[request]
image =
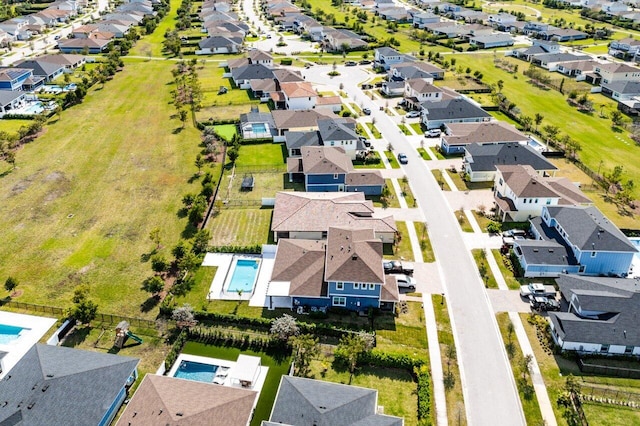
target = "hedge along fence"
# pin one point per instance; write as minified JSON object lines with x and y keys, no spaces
{"x":216,"y":122}
{"x":237,"y":339}
{"x":176,"y":348}
{"x":250,"y":249}
{"x":255,"y":141}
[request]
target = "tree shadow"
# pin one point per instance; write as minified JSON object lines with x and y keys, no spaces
{"x":77,"y":336}
{"x":182,"y":213}
{"x":189,"y":231}
{"x":195,"y":177}
{"x":177,"y":130}
{"x":149,"y":304}
{"x":145,"y":257}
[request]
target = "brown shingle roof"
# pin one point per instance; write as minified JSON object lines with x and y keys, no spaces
{"x":365,"y":177}
{"x":485,"y":132}
{"x":422,"y":85}
{"x":353,"y":255}
{"x":258,"y":55}
{"x":289,"y":119}
{"x":298,"y":89}
{"x":325,"y":160}
{"x":301,"y":263}
{"x":524,"y":181}
{"x":389,"y":291}
{"x":328,"y":100}
{"x":161,"y":400}
{"x":317,"y":211}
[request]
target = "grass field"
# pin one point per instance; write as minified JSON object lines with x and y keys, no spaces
{"x":11,"y":127}
{"x":512,"y":282}
{"x":393,"y":162}
{"x":226,"y":131}
{"x":488,"y":279}
{"x":443,"y":183}
{"x":403,"y":249}
{"x":240,"y":226}
{"x":80,"y":205}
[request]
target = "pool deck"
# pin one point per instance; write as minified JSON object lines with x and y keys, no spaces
{"x":257,"y":387}
{"x":35,"y":327}
{"x":223,"y":262}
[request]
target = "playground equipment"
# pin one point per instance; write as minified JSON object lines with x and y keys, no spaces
{"x":122,"y":333}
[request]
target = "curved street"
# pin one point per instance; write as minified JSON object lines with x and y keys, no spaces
{"x":488,"y":384}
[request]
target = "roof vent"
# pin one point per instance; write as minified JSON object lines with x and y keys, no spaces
{"x":50,"y":375}
{"x":45,"y":387}
{"x":179,"y":414}
{"x":354,"y":257}
{"x":30,"y":406}
{"x":550,"y":250}
{"x":535,"y":250}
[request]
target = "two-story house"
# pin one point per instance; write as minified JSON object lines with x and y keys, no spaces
{"x":574,"y":240}
{"x":257,"y":56}
{"x":419,"y":90}
{"x":407,"y":70}
{"x":626,"y":48}
{"x":480,"y":161}
{"x":298,"y":95}
{"x":520,"y":193}
{"x":421,"y":19}
{"x":615,"y":72}
{"x":340,"y":133}
{"x":345,"y":270}
{"x":385,"y":57}
{"x":602,"y":316}
{"x":452,"y":110}
{"x":501,"y":20}
{"x":457,"y":136}
{"x":19,"y":79}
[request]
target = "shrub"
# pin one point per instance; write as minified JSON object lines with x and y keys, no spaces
{"x":424,"y":391}
{"x":494,"y":227}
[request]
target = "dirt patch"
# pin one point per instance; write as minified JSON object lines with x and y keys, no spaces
{"x":55,"y":176}
{"x":17,"y":294}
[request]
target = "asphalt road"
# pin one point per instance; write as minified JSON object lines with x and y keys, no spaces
{"x":490,"y":392}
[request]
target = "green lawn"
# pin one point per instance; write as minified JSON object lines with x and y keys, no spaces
{"x":393,"y":162}
{"x":240,"y":226}
{"x":12,"y":126}
{"x":424,"y":154}
{"x":151,"y":44}
{"x":528,"y":399}
{"x":437,"y":153}
{"x":197,"y":297}
{"x":226,"y":131}
{"x":417,"y":127}
{"x":483,"y":220}
{"x":425,"y":243}
{"x":277,"y":369}
{"x":391,"y":201}
{"x":404,"y":334}
{"x":403,"y":128}
{"x":443,"y":183}
{"x":454,"y":395}
{"x":489,"y":279}
{"x":271,"y":155}
{"x":86,"y":194}
{"x":406,"y":192}
{"x":463,"y":221}
{"x":402,"y":250}
{"x":512,"y":282}
{"x":602,"y":414}
{"x":374,"y":130}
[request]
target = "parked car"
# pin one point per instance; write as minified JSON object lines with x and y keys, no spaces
{"x":532,"y":290}
{"x":366,"y":86}
{"x":515,"y":233}
{"x":405,"y":282}
{"x":402,"y":158}
{"x":364,"y":62}
{"x":350,"y":64}
{"x":397,"y":266}
{"x":366,"y":111}
{"x":544,"y":304}
{"x":433,"y":133}
{"x":413,"y":114}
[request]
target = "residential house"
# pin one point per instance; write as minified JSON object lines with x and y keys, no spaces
{"x":169,"y":400}
{"x":452,"y":110}
{"x":295,"y":141}
{"x":602,"y":316}
{"x":617,"y":72}
{"x":69,"y":62}
{"x":298,"y":121}
{"x":563,"y":34}
{"x":90,"y":45}
{"x":299,"y":95}
{"x":16,"y":79}
{"x":614,"y":8}
{"x":574,"y":240}
{"x":393,"y":14}
{"x":243,"y":75}
{"x":308,"y":215}
{"x":480,"y":161}
{"x":340,"y":132}
{"x":284,"y":75}
{"x":409,"y":70}
{"x":16,"y":28}
{"x":491,"y":40}
{"x":626,"y":48}
{"x":579,"y":70}
{"x":56,"y":385}
{"x":345,"y":271}
{"x":329,"y":103}
{"x":11,"y":100}
{"x":132,"y":17}
{"x":621,"y":90}
{"x":552,"y":61}
{"x":259,"y":57}
{"x":385,"y":57}
{"x":501,"y":20}
{"x":214,"y":45}
{"x":457,"y":136}
{"x":257,"y":125}
{"x":419,"y":90}
{"x":421,"y":19}
{"x":341,"y":40}
{"x":393,"y":88}
{"x":298,"y":401}
{"x":47,"y":70}
{"x":329,"y":169}
{"x":470,"y":16}
{"x":520,"y":193}
{"x":539,"y":47}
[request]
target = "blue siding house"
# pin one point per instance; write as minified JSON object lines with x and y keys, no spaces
{"x":344,"y":271}
{"x":574,"y":239}
{"x":329,"y":169}
{"x":14,"y":78}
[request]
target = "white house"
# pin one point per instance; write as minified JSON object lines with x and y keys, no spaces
{"x":299,"y":95}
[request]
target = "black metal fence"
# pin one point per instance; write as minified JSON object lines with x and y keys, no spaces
{"x":33,"y":307}
{"x":610,"y":396}
{"x":605,"y":370}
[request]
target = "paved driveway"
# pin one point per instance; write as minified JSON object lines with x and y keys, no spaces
{"x":507,"y":301}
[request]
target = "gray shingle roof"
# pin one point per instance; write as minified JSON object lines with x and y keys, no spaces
{"x":296,"y":140}
{"x":55,"y":385}
{"x":257,"y":117}
{"x":251,"y":72}
{"x":218,"y":41}
{"x":313,"y":402}
{"x":453,"y":109}
{"x":487,"y":157}
{"x":619,"y":301}
{"x":41,"y":68}
{"x":334,"y":130}
{"x":624,"y":87}
{"x":561,"y":57}
{"x":589,"y":229}
{"x":387,"y":51}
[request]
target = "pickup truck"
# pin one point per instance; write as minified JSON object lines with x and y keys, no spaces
{"x":537,"y":290}
{"x":396,"y":266}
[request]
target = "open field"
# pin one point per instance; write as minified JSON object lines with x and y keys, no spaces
{"x":240,"y":226}
{"x":80,"y":205}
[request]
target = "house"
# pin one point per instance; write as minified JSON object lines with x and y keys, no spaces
{"x":298,"y":401}
{"x":601,"y":318}
{"x":329,"y":103}
{"x":69,"y":62}
{"x":308,"y":215}
{"x":299,"y":95}
{"x":257,"y":125}
{"x":616,"y":72}
{"x":491,"y":40}
{"x":456,"y":110}
{"x":341,"y":40}
{"x":295,"y":141}
{"x":579,"y":70}
{"x":520,"y":193}
{"x":90,"y":45}
{"x":219,"y":44}
{"x":329,"y":169}
{"x":458,"y":136}
{"x":243,"y":75}
{"x":626,"y":48}
{"x":11,"y":99}
{"x":501,"y":20}
{"x":344,"y":271}
{"x":393,"y":88}
{"x":419,"y":90}
{"x":563,"y":34}
{"x":421,"y":19}
{"x":574,"y":240}
{"x":480,"y":161}
{"x":394,"y":14}
{"x":16,"y":78}
{"x":298,"y":121}
{"x":56,"y":385}
{"x":408,"y":70}
{"x":168,"y":400}
{"x":551,"y":61}
{"x":621,"y":90}
{"x":384,"y":57}
{"x":539,"y":47}
{"x":15,"y":27}
{"x":341,"y":133}
{"x":259,"y":57}
{"x":47,"y":70}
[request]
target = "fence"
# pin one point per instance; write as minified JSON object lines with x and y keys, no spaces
{"x":238,"y":204}
{"x":33,"y":307}
{"x":606,"y":370}
{"x":136,"y":322}
{"x":610,"y":396}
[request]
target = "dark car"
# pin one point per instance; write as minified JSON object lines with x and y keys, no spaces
{"x":543,"y":304}
{"x":402,"y":158}
{"x":350,"y":64}
{"x":366,"y":111}
{"x":364,"y":62}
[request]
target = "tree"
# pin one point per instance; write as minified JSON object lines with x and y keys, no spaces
{"x":305,"y":349}
{"x":154,"y":236}
{"x":199,"y":163}
{"x":85,"y":310}
{"x":538,"y":119}
{"x":500,"y":85}
{"x":183,"y":316}
{"x":525,"y":365}
{"x":10,"y":285}
{"x":284,"y":327}
{"x":153,"y":284}
{"x":552,"y":132}
{"x":159,"y":264}
{"x":182,"y":115}
{"x":201,"y":241}
{"x":526,"y":122}
{"x":616,"y":118}
{"x":233,"y":154}
{"x":351,"y":347}
{"x":189,"y":262}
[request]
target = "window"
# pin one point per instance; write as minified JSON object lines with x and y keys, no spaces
{"x":333,"y":143}
{"x":339,"y":286}
{"x":536,"y":201}
{"x":604,"y":348}
{"x":500,"y":181}
{"x":593,"y":254}
{"x":548,"y":202}
{"x":335,"y":176}
{"x":356,"y":286}
{"x":628,"y":350}
{"x":339,"y":301}
{"x":372,"y":286}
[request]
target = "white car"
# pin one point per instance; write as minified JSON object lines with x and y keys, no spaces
{"x":405,"y":282}
{"x":433,"y":133}
{"x":413,"y":114}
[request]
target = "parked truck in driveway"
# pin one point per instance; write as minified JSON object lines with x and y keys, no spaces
{"x":537,"y":290}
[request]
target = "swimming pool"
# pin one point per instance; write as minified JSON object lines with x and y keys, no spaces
{"x":9,"y":333}
{"x":35,"y":108}
{"x":259,"y":128}
{"x":196,"y":371}
{"x":245,"y":272}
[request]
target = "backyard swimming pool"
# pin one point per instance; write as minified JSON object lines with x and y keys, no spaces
{"x":259,"y":128}
{"x":196,"y":371}
{"x":9,"y":333}
{"x":243,"y":278}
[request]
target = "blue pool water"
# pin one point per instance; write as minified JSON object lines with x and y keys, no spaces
{"x":196,"y":371}
{"x":244,"y":276}
{"x":9,"y":333}
{"x":35,"y":108}
{"x":259,"y":128}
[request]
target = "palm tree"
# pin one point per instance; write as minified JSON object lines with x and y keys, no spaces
{"x":538,"y":119}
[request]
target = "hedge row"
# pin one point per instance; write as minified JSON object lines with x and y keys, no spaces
{"x":215,"y":122}
{"x":389,"y":360}
{"x":251,"y":249}
{"x":236,"y":340}
{"x":424,"y":391}
{"x":256,"y":141}
{"x":19,"y":117}
{"x":176,"y":348}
